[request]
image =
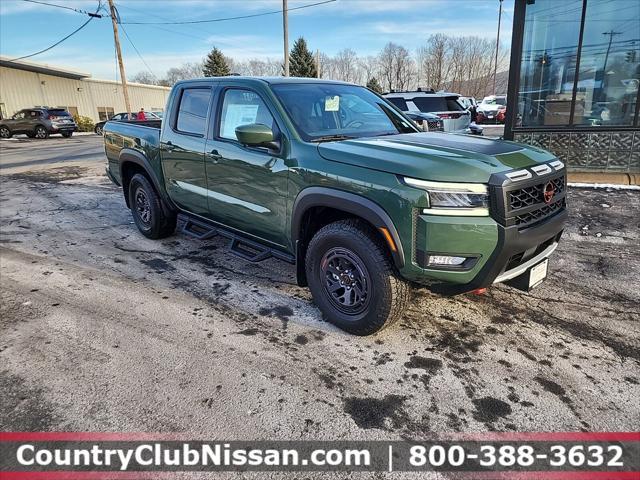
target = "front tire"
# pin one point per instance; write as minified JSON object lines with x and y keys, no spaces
{"x":147,"y":211}
{"x":352,"y":278}
{"x":41,"y":132}
{"x":67,"y":134}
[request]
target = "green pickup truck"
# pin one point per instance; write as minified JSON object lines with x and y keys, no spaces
{"x":336,"y":180}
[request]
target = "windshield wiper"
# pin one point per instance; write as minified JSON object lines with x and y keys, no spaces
{"x":330,"y":138}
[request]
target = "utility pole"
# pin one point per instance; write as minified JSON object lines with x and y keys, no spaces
{"x":285,"y":28}
{"x":611,"y":34}
{"x":123,"y":77}
{"x":495,"y":67}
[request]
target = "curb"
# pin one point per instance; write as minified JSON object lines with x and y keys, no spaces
{"x":605,"y":178}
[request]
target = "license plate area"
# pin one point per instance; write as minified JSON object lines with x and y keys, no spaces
{"x":532,"y":278}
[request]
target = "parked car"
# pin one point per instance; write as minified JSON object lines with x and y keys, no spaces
{"x":158,"y":113}
{"x":325,"y":176}
{"x":39,"y":122}
{"x":445,"y":105}
{"x":468,"y":102}
{"x":123,"y":117}
{"x":492,"y":109}
{"x":428,"y":122}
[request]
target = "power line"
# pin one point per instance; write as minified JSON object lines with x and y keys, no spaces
{"x":77,"y":10}
{"x":189,"y":22}
{"x":91,"y":17}
{"x":139,"y":54}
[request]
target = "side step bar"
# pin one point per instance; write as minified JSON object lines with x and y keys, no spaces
{"x":239,"y":245}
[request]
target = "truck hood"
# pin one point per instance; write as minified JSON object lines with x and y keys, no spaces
{"x":433,"y":156}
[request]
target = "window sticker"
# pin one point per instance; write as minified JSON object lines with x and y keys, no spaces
{"x":332,"y":104}
{"x":237,"y":115}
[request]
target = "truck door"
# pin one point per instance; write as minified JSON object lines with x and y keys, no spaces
{"x":182,"y":146}
{"x":247,"y":185}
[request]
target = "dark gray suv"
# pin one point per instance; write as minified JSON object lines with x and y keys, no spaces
{"x":39,"y":123}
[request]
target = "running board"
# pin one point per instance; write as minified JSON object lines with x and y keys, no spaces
{"x":241,"y":246}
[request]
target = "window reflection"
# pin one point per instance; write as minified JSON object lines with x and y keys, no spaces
{"x":550,"y":48}
{"x":609,"y":64}
{"x":609,"y":71}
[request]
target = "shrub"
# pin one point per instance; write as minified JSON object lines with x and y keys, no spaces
{"x":85,"y":124}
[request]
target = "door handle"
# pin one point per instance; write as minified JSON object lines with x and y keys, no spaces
{"x":214,"y":155}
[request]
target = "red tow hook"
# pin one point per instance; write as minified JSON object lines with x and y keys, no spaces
{"x":479,"y":291}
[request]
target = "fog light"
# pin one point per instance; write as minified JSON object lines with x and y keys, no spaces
{"x":444,"y":260}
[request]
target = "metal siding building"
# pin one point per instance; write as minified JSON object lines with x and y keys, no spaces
{"x":28,"y":84}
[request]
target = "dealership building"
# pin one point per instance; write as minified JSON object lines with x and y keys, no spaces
{"x":573,"y":82}
{"x":26,"y":84}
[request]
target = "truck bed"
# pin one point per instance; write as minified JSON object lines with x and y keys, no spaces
{"x":140,"y":136}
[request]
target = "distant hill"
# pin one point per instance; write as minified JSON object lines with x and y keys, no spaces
{"x":480,"y":87}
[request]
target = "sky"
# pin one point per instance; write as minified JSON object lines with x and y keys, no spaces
{"x":363,"y":25}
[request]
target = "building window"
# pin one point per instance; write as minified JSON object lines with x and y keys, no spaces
{"x":105,"y":113}
{"x":607,"y":63}
{"x":609,"y":71}
{"x":548,"y":65}
{"x":72,"y":110}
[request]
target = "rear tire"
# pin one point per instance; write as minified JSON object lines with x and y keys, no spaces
{"x":98,"y":130}
{"x":41,"y":132}
{"x":147,"y":211}
{"x":352,"y":278}
{"x":5,"y":132}
{"x":67,"y":134}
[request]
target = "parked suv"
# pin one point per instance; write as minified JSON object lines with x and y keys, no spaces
{"x":492,"y":109}
{"x":445,"y":105}
{"x":39,"y":123}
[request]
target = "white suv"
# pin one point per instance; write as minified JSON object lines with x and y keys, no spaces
{"x":455,"y":117}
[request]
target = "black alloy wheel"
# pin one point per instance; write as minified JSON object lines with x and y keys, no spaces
{"x":347,"y":280}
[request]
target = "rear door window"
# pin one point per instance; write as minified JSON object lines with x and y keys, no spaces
{"x":401,"y":103}
{"x":192,"y":112}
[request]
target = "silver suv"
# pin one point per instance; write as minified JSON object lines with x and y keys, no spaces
{"x":39,"y":122}
{"x":445,"y":105}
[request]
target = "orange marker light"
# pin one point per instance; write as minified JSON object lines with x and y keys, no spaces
{"x":389,"y":239}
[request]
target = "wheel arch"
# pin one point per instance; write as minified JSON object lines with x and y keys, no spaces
{"x":349,"y":204}
{"x":132,"y":162}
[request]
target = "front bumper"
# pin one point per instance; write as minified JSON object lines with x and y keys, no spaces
{"x":516,"y":250}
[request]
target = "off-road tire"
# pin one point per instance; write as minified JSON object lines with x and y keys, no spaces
{"x":149,"y":217}
{"x":388,"y":294}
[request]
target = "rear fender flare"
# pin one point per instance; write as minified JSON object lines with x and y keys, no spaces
{"x":132,"y":156}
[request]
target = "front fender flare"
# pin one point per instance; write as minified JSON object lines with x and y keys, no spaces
{"x":347,"y":202}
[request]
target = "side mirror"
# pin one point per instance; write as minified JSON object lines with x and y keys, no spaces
{"x":257,"y":135}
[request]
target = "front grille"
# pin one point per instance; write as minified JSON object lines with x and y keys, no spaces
{"x":434,"y":125}
{"x":525,"y":197}
{"x":539,"y":214}
{"x":522,"y":203}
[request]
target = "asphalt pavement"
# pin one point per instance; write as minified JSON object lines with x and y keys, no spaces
{"x":105,"y":330}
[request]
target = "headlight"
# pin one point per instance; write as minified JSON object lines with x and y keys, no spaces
{"x":468,"y":199}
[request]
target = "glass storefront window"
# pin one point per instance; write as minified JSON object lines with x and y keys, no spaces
{"x":548,"y":65}
{"x":610,"y":64}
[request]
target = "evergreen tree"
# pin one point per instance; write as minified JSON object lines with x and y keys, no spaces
{"x":373,"y":84}
{"x":215,"y":65}
{"x":301,"y":61}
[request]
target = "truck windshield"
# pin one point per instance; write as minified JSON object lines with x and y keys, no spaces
{"x":324,"y":111}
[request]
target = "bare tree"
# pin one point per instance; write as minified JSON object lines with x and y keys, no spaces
{"x":184,"y":72}
{"x":397,"y":68}
{"x":346,"y":66}
{"x":144,"y":77}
